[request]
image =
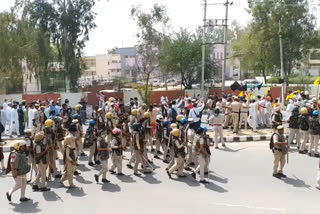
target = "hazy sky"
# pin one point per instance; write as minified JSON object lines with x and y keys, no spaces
{"x":115,"y":28}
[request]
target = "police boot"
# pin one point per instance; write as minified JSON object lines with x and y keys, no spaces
{"x":104,"y":180}
{"x":44,"y":189}
{"x":35,"y":188}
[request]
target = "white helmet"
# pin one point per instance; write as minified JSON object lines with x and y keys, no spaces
{"x":159,"y":117}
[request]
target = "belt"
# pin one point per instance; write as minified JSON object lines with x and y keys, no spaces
{"x":217,"y":124}
{"x":244,"y":112}
{"x":235,"y":112}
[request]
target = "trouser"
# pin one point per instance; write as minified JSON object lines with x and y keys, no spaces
{"x":83,"y":114}
{"x":7,"y":126}
{"x":203,"y":165}
{"x":314,"y":142}
{"x":14,"y":128}
{"x":305,"y":140}
{"x":192,"y":156}
{"x":178,"y":165}
{"x":125,"y":142}
{"x":104,"y":168}
{"x":108,"y":138}
{"x":243,"y":118}
{"x":26,"y":124}
{"x":218,"y":130}
{"x":267,"y":116}
{"x":116,"y":163}
{"x":32,"y":162}
{"x":148,"y":139}
{"x":292,"y":134}
{"x":21,"y":127}
{"x":165,"y":151}
{"x":138,"y":156}
{"x":21,"y":183}
{"x":61,"y":148}
{"x":68,"y":173}
{"x":235,"y":120}
{"x":41,"y":176}
{"x":92,"y":151}
{"x":164,"y":111}
{"x":52,"y":161}
{"x":171,"y":158}
{"x":158,"y":144}
{"x":79,"y":145}
{"x":279,"y":158}
{"x":262,"y":116}
{"x":227,"y":120}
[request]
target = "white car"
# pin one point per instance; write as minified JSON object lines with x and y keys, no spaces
{"x":170,"y":82}
{"x":156,"y":83}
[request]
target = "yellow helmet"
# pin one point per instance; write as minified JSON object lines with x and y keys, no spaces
{"x":111,"y":99}
{"x":109,"y":115}
{"x":173,"y":126}
{"x":179,"y":117}
{"x":144,"y":105}
{"x":18,"y":145}
{"x":67,"y":141}
{"x":49,"y":123}
{"x":75,"y":121}
{"x":134,"y":112}
{"x":78,"y":107}
{"x":146,"y":115}
{"x":38,"y":137}
{"x":304,"y":110}
{"x":28,"y":132}
{"x":175,"y":132}
{"x":100,"y":110}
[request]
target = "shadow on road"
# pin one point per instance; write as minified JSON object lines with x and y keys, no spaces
{"x":296,"y":182}
{"x":80,"y":179}
{"x":83,"y":168}
{"x":216,"y":188}
{"x":78,"y":192}
{"x":151,"y":180}
{"x":26,"y":207}
{"x":126,"y":179}
{"x":109,"y":187}
{"x":51,"y":196}
{"x":228,"y":149}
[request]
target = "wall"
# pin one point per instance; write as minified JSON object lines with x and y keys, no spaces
{"x":74,"y":98}
{"x":130,"y":94}
{"x":29,"y":98}
{"x":14,"y":97}
{"x":156,"y":95}
{"x":93,"y":99}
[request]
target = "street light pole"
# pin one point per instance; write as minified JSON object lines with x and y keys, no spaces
{"x":203,"y":46}
{"x":225,"y":48}
{"x":283,"y":86}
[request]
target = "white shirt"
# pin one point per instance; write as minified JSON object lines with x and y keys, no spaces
{"x":219,"y":120}
{"x":8,"y":113}
{"x":194,"y":112}
{"x":14,"y":115}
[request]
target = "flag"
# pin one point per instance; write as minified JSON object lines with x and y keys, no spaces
{"x":259,"y":86}
{"x":235,"y":86}
{"x":317,"y":81}
{"x":268,"y":90}
{"x":290,"y":96}
{"x":241,"y":94}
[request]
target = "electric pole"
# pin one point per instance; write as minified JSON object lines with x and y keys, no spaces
{"x":281,"y":62}
{"x":225,"y":48}
{"x":203,"y":46}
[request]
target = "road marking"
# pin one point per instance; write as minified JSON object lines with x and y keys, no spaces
{"x":251,"y":207}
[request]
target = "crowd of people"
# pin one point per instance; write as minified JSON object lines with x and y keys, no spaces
{"x":171,"y":132}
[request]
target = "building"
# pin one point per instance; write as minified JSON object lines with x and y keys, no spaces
{"x":128,"y":60}
{"x":311,"y":63}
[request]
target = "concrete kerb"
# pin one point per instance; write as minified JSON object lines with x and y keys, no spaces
{"x":7,"y":147}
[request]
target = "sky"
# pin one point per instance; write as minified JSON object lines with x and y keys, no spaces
{"x":115,"y":28}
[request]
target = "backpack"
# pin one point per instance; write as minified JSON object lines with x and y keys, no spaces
{"x":271,"y":143}
{"x":173,"y":114}
{"x":304,"y":124}
{"x":88,"y":137}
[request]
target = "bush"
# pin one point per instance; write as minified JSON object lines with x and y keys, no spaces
{"x":273,"y":80}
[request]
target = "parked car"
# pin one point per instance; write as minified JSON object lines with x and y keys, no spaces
{"x":170,"y":82}
{"x":156,"y":83}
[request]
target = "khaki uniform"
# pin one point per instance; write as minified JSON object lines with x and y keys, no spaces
{"x":244,"y":109}
{"x":217,"y":123}
{"x":279,"y":154}
{"x":116,"y":155}
{"x":228,"y":115}
{"x":42,"y":162}
{"x":202,"y":159}
{"x":235,"y":109}
{"x":69,"y":166}
{"x":178,"y":158}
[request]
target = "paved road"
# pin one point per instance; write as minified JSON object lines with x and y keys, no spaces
{"x":241,"y":183}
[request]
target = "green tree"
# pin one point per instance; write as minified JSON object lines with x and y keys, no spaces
{"x":182,"y":55}
{"x":150,"y":40}
{"x":64,"y":24}
{"x":298,"y":34}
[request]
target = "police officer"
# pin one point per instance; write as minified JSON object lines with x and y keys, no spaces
{"x":279,"y":150}
{"x":90,"y":141}
{"x":179,"y":154}
{"x":57,"y":129}
{"x":41,"y":151}
{"x":304,"y":128}
{"x":109,"y":127}
{"x":18,"y":165}
{"x":294,"y":131}
{"x":235,"y":109}
{"x":165,"y":139}
{"x":190,"y":133}
{"x":159,"y":136}
{"x":216,"y":120}
{"x":244,"y":110}
{"x":117,"y":152}
{"x":101,"y":124}
{"x":276,"y":118}
{"x":69,"y":160}
{"x":104,"y":149}
{"x":314,"y":134}
{"x":170,"y":146}
{"x":203,"y":154}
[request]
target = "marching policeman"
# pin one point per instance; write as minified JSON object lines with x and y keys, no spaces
{"x":103,"y":152}
{"x":304,"y":128}
{"x":69,"y":160}
{"x":117,"y":152}
{"x":294,"y":131}
{"x":279,"y":149}
{"x":90,"y":141}
{"x":314,"y":134}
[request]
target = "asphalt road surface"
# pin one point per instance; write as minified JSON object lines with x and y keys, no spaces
{"x":241,"y":183}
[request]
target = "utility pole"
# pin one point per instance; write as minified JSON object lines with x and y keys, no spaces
{"x":203,"y":46}
{"x":281,"y":61}
{"x":225,"y":48}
